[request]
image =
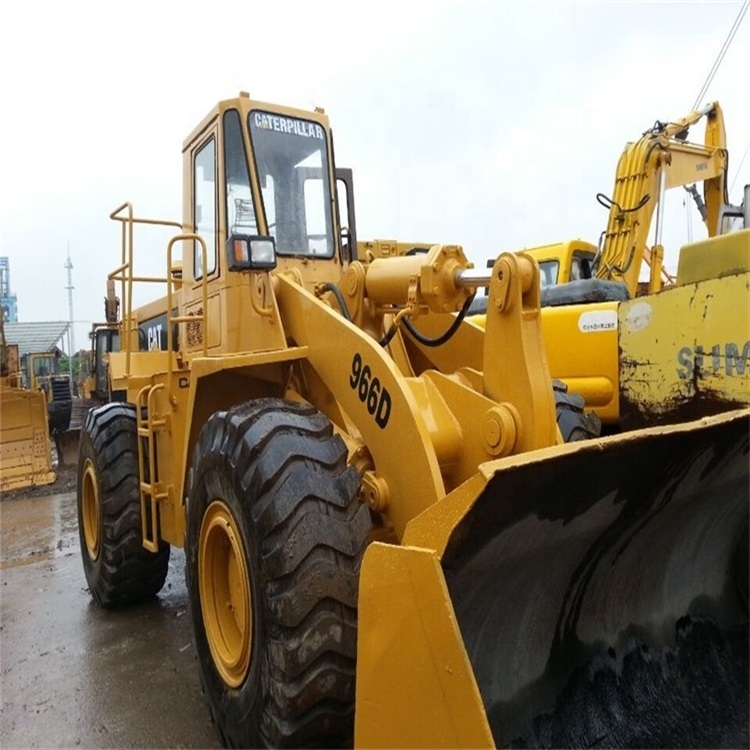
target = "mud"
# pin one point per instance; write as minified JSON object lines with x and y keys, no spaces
{"x":73,"y":674}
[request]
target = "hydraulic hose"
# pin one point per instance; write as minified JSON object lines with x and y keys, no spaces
{"x":444,"y":337}
{"x":328,"y":287}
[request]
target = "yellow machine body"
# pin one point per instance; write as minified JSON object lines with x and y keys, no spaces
{"x":585,"y":347}
{"x":561,"y":262}
{"x":587,"y":360}
{"x":25,"y":456}
{"x":484,"y":613}
{"x":41,"y":371}
{"x":676,"y":365}
{"x":496,"y":563}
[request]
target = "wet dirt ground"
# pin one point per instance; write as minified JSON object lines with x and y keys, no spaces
{"x":73,"y":674}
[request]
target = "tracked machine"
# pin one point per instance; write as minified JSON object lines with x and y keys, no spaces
{"x":387,"y":540}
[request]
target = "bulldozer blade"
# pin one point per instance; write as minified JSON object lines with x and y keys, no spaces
{"x":598,"y":591}
{"x":66,"y":443}
{"x":25,"y":456}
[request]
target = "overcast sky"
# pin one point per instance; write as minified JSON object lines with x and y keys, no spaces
{"x":488,"y":124}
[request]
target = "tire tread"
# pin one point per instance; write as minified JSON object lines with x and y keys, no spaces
{"x":127,"y":572}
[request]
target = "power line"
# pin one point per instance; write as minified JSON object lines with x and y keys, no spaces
{"x":739,"y":167}
{"x":722,"y":52}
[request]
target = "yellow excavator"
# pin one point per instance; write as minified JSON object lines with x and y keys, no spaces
{"x":641,"y":369}
{"x":25,"y":455}
{"x":387,"y":541}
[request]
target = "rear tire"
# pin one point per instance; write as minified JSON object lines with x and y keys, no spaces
{"x":119,"y":570}
{"x":574,"y":423}
{"x":274,"y":541}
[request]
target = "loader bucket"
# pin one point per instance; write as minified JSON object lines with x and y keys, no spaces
{"x":593,"y":594}
{"x":25,"y":458}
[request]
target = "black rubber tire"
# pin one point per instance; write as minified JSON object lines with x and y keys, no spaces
{"x":695,"y":695}
{"x":283,"y":475}
{"x":574,"y":422}
{"x":123,"y":571}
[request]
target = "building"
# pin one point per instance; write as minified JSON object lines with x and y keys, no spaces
{"x":37,"y":337}
{"x":8,"y":301}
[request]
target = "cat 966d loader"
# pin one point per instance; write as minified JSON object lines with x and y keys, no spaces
{"x":387,"y":541}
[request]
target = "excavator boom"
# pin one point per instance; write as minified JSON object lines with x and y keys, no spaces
{"x":661,"y":159}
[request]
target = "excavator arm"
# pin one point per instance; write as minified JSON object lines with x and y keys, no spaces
{"x":661,"y":159}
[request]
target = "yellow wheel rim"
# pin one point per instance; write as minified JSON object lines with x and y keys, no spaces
{"x":224,"y":589}
{"x":90,"y":509}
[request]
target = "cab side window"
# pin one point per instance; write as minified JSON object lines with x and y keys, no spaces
{"x":241,"y":218}
{"x":204,"y":207}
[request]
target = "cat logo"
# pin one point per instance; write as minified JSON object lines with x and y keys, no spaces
{"x":153,"y":335}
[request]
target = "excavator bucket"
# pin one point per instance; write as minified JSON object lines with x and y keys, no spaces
{"x":25,"y":459}
{"x":592,"y":594}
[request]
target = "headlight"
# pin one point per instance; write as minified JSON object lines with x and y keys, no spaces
{"x":251,"y":253}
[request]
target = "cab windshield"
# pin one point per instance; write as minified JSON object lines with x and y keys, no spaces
{"x":291,"y":156}
{"x":548,"y":270}
{"x":44,"y":366}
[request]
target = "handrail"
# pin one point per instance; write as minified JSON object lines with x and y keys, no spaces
{"x":171,"y":319}
{"x":124,"y":272}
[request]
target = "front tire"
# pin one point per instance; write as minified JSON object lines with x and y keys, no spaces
{"x":119,"y":570}
{"x":275,"y":537}
{"x":574,"y":421}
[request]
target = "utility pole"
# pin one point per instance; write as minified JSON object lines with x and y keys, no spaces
{"x":71,"y":331}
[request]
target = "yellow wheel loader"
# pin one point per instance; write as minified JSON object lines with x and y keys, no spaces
{"x":387,"y":541}
{"x":93,"y":388}
{"x":25,"y":455}
{"x":41,"y":372}
{"x":674,"y":347}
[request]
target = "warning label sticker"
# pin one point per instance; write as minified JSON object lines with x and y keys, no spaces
{"x":594,"y":321}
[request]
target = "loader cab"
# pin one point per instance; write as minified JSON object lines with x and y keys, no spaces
{"x":262,"y":174}
{"x":260,"y":193}
{"x":104,"y":340}
{"x":39,"y":368}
